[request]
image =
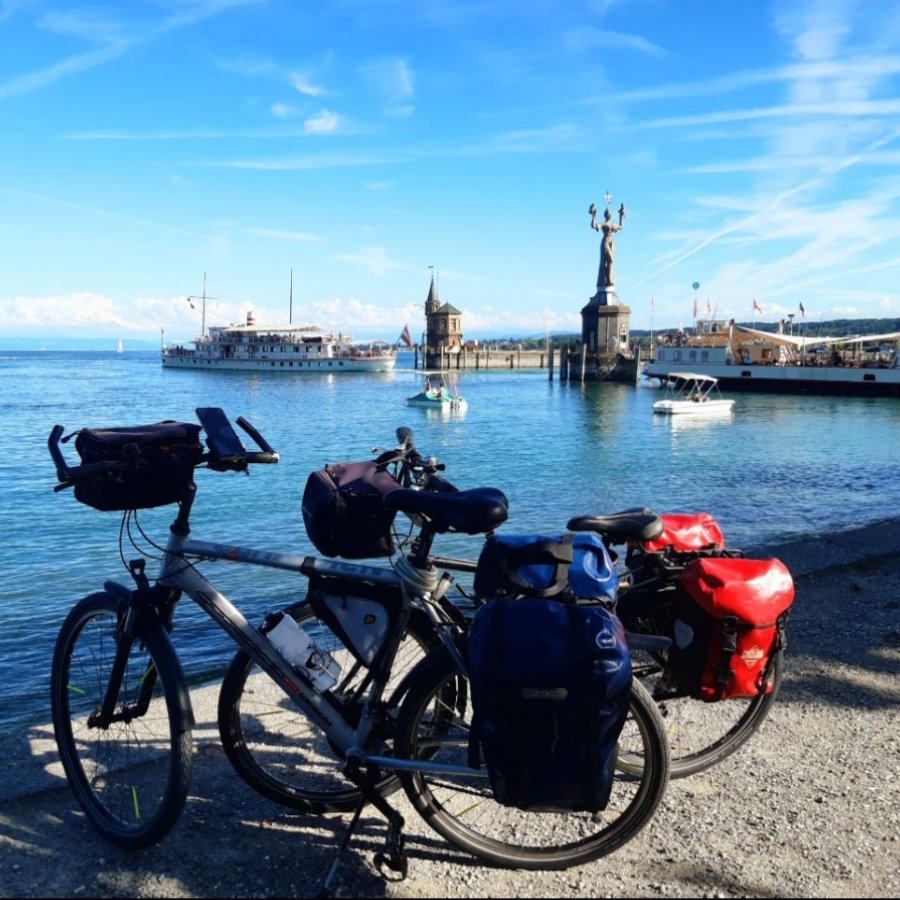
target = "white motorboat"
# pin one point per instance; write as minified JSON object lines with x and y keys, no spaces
{"x":689,"y":393}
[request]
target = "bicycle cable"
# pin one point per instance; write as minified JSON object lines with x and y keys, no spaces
{"x":419,"y":580}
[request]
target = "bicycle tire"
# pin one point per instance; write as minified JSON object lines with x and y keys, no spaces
{"x":131,"y":778}
{"x":271,"y":744}
{"x":433,"y":724}
{"x":702,"y":734}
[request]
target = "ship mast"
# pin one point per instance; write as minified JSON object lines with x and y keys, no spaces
{"x":204,"y":298}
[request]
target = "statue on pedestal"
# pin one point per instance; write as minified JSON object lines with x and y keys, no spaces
{"x":605,"y":278}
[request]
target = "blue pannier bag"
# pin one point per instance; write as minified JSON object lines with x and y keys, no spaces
{"x":537,"y":565}
{"x":551,"y":686}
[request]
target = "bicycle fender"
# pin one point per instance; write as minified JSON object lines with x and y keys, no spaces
{"x":119,"y":591}
{"x":157,"y":636}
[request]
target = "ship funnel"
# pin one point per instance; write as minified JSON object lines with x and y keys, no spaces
{"x":251,"y":320}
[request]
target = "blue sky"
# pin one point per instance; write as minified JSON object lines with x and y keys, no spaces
{"x":351,"y":145}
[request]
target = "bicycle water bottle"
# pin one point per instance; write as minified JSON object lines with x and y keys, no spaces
{"x":294,"y":644}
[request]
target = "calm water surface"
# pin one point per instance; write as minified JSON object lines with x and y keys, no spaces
{"x":778,"y":467}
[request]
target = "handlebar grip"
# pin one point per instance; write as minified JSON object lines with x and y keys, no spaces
{"x":62,"y":470}
{"x":266,"y":456}
{"x":259,"y":440}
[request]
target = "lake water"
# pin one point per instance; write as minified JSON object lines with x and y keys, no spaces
{"x":780,"y":466}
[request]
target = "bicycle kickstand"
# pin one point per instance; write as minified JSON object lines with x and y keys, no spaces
{"x":326,"y":890}
{"x":394,"y":855}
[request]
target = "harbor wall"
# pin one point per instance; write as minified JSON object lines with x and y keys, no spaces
{"x":573,"y":365}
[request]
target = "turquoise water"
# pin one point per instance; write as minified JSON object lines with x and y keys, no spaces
{"x":780,"y":466}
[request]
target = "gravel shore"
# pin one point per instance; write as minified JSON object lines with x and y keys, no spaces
{"x":810,"y":807}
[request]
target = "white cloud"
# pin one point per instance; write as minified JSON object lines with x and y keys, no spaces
{"x":325,"y":122}
{"x":303,"y":85}
{"x":282,"y":110}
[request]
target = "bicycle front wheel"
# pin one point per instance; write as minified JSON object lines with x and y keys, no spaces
{"x":276,"y":749}
{"x":129,"y":774}
{"x":434,"y":725}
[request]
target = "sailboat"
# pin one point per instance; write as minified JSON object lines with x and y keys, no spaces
{"x":120,"y":348}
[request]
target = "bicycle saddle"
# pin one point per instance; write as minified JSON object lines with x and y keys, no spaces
{"x":475,"y":511}
{"x":617,"y":528}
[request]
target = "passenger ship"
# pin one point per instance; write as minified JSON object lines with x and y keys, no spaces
{"x":267,"y":348}
{"x":746,"y":359}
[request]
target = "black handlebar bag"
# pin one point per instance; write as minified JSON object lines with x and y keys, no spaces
{"x":162,"y":458}
{"x":343,"y":513}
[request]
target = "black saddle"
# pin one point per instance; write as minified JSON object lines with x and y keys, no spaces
{"x":475,"y":511}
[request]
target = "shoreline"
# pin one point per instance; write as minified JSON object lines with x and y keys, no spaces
{"x":799,"y":811}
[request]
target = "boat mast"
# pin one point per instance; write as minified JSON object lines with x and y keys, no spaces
{"x":291,"y":299}
{"x":204,"y":298}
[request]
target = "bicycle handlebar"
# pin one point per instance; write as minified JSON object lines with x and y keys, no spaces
{"x":69,"y":475}
{"x":415,"y":470}
{"x":225,"y":451}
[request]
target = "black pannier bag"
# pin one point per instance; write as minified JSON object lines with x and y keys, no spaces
{"x":343,"y":513}
{"x":551,"y":689}
{"x":167,"y":453}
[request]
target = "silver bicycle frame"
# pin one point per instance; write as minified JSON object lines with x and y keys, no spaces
{"x":179,"y":571}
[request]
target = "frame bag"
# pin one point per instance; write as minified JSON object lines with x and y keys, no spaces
{"x":728,"y":621}
{"x":163,"y":456}
{"x":551,"y":686}
{"x":343,"y":513}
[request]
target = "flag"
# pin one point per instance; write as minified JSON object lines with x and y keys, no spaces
{"x":756,"y":306}
{"x":802,"y":310}
{"x":405,"y":337}
{"x":191,"y":305}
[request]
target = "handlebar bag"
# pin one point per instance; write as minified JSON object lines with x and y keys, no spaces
{"x":728,"y":621}
{"x":162,"y":457}
{"x":535,"y":565}
{"x":343,"y":513}
{"x":551,"y":686}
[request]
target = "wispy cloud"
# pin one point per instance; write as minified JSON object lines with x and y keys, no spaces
{"x":300,"y":237}
{"x":375,"y":259}
{"x":116,"y":36}
{"x":324,"y":122}
{"x":303,"y":85}
{"x":591,"y":38}
{"x":393,"y":79}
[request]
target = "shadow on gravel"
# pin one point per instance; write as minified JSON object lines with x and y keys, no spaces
{"x":844,"y":638}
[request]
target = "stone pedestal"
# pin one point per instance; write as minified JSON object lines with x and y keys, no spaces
{"x":604,"y":337}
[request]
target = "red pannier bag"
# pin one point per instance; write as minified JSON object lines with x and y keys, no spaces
{"x":685,"y":532}
{"x":729,"y":625}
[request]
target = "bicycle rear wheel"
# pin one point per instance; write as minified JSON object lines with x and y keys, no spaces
{"x":434,"y":725}
{"x":702,"y":734}
{"x":130,"y":775}
{"x":275,"y":748}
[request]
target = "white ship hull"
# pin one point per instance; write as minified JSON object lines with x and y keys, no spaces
{"x":281,"y":348}
{"x":334,"y":364}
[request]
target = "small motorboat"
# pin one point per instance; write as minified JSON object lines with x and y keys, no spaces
{"x":439,"y":391}
{"x":692,"y":394}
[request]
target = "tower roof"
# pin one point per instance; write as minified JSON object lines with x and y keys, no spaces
{"x":452,"y":310}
